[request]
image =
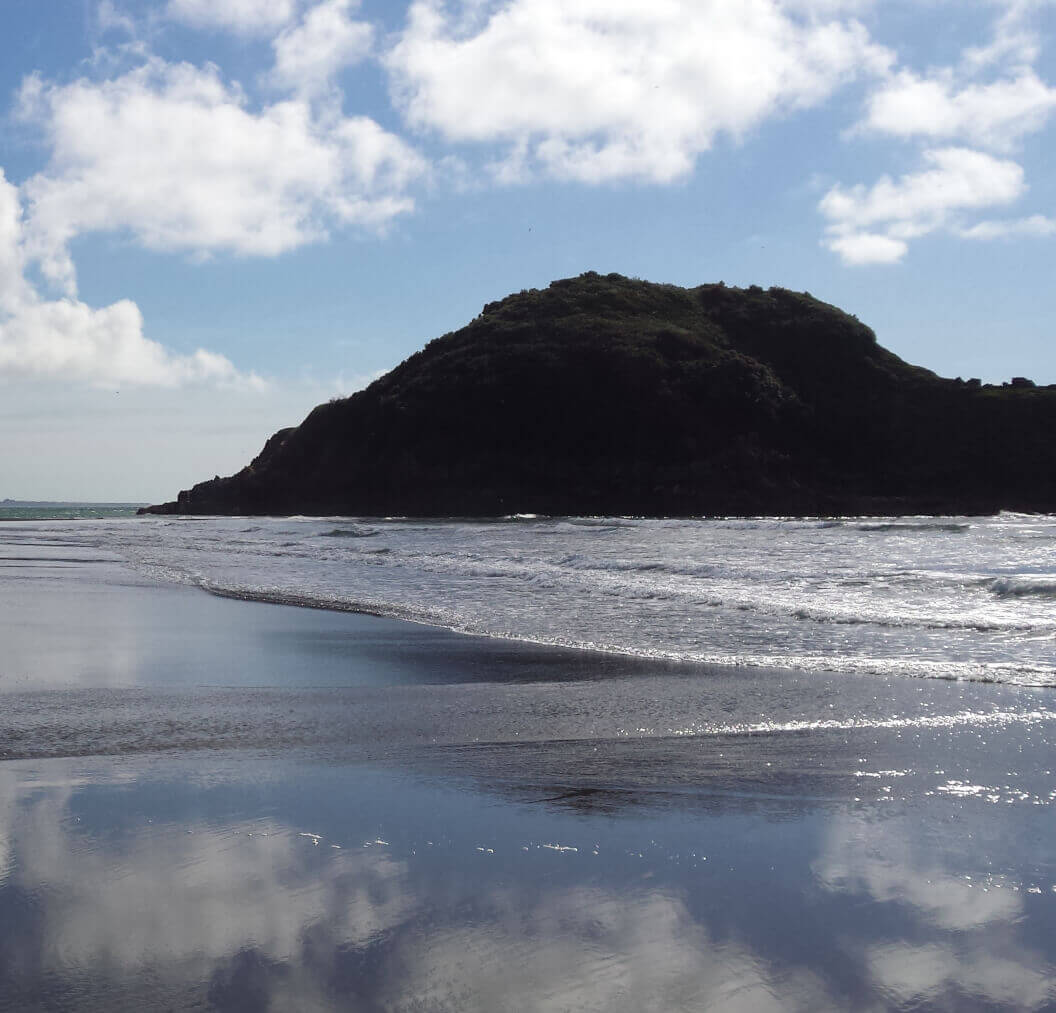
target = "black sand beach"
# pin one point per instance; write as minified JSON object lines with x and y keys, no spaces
{"x":215,"y":804}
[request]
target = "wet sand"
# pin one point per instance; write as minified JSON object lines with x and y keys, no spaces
{"x":216,"y":804}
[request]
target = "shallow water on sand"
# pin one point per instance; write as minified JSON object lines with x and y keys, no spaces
{"x":219,"y":804}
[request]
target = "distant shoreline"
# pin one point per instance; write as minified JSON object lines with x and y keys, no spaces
{"x":59,"y":503}
{"x":42,"y":510}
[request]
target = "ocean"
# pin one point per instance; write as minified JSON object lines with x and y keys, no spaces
{"x":526,"y":764}
{"x":947,"y":598}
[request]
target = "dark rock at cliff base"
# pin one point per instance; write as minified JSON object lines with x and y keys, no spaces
{"x":605,"y":395}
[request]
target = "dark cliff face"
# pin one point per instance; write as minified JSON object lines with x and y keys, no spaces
{"x":605,"y":395}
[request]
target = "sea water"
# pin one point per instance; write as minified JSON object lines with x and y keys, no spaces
{"x":949,"y":598}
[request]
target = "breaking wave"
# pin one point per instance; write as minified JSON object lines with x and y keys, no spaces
{"x":1020,"y":587}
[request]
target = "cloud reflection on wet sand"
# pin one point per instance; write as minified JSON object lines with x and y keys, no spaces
{"x":249,"y":912}
{"x":265,"y":913}
{"x":965,"y":942}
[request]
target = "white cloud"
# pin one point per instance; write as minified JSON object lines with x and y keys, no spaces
{"x":241,"y":16}
{"x":827,"y":8}
{"x":991,"y":98}
{"x":958,"y":178}
{"x":109,"y":19}
{"x":868,"y":248}
{"x":14,"y":290}
{"x":1016,"y":40}
{"x":173,"y":155}
{"x":308,"y":56}
{"x":104,"y":346}
{"x":994,"y":115}
{"x":66,"y":338}
{"x":1034,"y":225}
{"x":873,"y":224}
{"x":608,"y":89}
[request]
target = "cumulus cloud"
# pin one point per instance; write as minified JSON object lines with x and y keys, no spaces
{"x":1008,"y":56}
{"x":867,"y":247}
{"x":873,"y":224}
{"x":989,"y":99}
{"x":603,"y":90}
{"x":1016,"y":39}
{"x":108,"y":18}
{"x":1034,"y":225}
{"x":996,"y":114}
{"x":241,"y":16}
{"x":104,"y":346}
{"x":177,"y":158}
{"x":308,"y":56}
{"x":173,"y":155}
{"x":67,"y":338}
{"x":14,"y":290}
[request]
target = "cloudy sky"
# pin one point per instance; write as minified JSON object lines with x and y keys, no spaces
{"x":216,"y":213}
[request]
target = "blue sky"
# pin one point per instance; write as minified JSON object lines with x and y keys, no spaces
{"x":216,"y":213}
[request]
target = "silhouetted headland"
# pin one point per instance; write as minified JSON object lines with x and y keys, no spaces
{"x":607,"y":395}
